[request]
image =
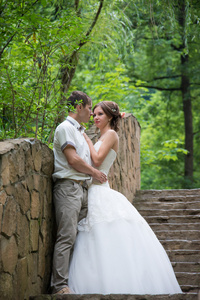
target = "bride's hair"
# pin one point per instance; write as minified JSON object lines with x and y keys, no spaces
{"x":111,"y":109}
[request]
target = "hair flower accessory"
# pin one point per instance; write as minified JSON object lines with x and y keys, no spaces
{"x":123,"y":114}
{"x":114,"y":110}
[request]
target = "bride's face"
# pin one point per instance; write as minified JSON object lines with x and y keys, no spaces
{"x":100,"y":118}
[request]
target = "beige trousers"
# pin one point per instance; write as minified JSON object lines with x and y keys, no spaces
{"x":70,"y":201}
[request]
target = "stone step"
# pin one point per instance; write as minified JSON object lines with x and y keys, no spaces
{"x":172,"y":219}
{"x":163,"y":193}
{"x":174,"y":226}
{"x":180,"y":244}
{"x":140,"y":205}
{"x":167,"y":199}
{"x":190,"y":289}
{"x":184,"y":296}
{"x":193,"y":267}
{"x":186,"y":278}
{"x":183,"y":255}
{"x":169,"y":212}
{"x":178,"y":234}
{"x":174,"y":216}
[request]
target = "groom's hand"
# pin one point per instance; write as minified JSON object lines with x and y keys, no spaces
{"x":100,"y":176}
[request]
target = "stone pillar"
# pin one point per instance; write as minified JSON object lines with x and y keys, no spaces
{"x":26,"y":219}
{"x":124,"y":175}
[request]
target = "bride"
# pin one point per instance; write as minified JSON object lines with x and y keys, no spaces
{"x":116,"y":252}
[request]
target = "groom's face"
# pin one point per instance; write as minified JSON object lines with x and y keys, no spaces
{"x":86,"y":112}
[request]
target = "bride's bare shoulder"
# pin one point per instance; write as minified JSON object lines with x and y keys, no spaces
{"x":112,"y":134}
{"x":112,"y":131}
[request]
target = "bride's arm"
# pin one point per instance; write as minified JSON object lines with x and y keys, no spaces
{"x":108,"y":142}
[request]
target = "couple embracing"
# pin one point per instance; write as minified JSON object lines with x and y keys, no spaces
{"x":115,"y":250}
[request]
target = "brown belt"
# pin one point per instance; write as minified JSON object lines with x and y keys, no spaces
{"x":83,"y":183}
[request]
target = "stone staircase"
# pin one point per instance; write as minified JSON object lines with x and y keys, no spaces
{"x":174,"y":216}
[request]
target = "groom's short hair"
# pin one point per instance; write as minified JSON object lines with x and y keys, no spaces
{"x":76,"y":98}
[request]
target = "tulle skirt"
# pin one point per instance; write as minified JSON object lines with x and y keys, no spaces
{"x":116,"y":252}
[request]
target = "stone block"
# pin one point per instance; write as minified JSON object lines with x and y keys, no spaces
{"x":10,"y":190}
{"x":6,"y":289}
{"x":22,"y":197}
{"x":30,"y":182}
{"x":23,"y":234}
{"x":24,"y":183}
{"x":21,"y":162}
{"x":5,"y":171}
{"x":28,"y":161}
{"x":3,"y":197}
{"x":35,"y":204}
{"x":32,"y":264}
{"x":36,"y":146}
{"x":21,"y":278}
{"x":41,"y":260}
{"x":9,"y":253}
{"x":47,"y":161}
{"x":38,"y":182}
{"x":9,"y":217}
{"x":34,"y":235}
{"x":47,"y":208}
{"x":13,"y":166}
{"x":6,"y":146}
{"x":37,"y":161}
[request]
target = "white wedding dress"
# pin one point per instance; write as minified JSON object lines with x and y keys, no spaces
{"x":116,"y":252}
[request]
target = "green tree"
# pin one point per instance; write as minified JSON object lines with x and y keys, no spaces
{"x":147,"y":44}
{"x":166,"y":41}
{"x":39,"y":46}
{"x":143,"y":55}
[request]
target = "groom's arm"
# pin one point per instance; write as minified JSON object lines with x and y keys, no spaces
{"x":77,"y":163}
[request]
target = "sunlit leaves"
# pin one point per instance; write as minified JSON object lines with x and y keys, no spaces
{"x":170,"y":150}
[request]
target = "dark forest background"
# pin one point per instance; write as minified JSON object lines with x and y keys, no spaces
{"x":144,"y":55}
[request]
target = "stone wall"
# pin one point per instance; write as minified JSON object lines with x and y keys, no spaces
{"x":25,"y":218}
{"x":26,"y":212}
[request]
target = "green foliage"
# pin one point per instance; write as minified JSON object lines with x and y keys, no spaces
{"x":132,"y":56}
{"x":146,"y":46}
{"x":108,"y":83}
{"x":37,"y":38}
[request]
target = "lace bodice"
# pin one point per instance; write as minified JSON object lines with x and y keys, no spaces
{"x":108,"y":161}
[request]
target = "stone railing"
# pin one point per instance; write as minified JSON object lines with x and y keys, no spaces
{"x":26,"y":210}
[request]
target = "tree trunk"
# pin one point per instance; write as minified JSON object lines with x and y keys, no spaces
{"x":68,"y":73}
{"x":72,"y":61}
{"x":186,"y":96}
{"x":187,"y":109}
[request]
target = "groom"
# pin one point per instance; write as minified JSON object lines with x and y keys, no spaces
{"x":72,"y":176}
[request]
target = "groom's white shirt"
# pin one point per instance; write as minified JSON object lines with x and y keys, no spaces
{"x":68,"y":133}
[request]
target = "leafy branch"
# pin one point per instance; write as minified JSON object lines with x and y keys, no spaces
{"x":15,"y":33}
